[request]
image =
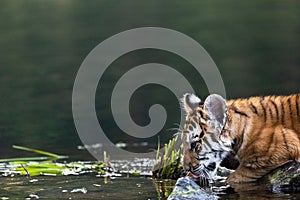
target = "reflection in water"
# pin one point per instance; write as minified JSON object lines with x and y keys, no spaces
{"x":78,"y":187}
{"x":254,"y":45}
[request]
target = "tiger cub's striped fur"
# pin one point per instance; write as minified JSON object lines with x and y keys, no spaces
{"x":262,"y":132}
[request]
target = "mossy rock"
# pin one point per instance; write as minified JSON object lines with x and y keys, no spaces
{"x":283,"y":179}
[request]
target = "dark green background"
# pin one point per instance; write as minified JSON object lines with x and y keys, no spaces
{"x":255,"y":45}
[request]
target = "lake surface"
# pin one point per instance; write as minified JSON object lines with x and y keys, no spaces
{"x":91,"y":186}
{"x":42,"y":45}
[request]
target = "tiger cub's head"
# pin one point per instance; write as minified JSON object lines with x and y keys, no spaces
{"x":205,"y":144}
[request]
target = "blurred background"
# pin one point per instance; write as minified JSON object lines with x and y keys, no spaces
{"x":255,"y":44}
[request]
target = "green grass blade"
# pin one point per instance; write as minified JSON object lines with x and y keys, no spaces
{"x":158,"y":148}
{"x":52,"y":155}
{"x":26,"y":159}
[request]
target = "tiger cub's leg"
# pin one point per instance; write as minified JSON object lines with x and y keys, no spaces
{"x":244,"y":174}
{"x":270,"y":149}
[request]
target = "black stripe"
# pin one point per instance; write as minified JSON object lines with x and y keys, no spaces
{"x":240,"y":113}
{"x":220,"y":154}
{"x":202,"y":134}
{"x":285,"y":142}
{"x":282,"y":113}
{"x":253,"y":108}
{"x":276,"y":109}
{"x":271,"y":114}
{"x":297,"y":106}
{"x":291,"y":112}
{"x":204,"y":158}
{"x":200,"y":113}
{"x":237,"y":143}
{"x":264,"y":109}
{"x":217,"y":153}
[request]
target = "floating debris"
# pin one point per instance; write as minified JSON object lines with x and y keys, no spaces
{"x":92,"y":146}
{"x":121,"y":145}
{"x":76,"y":190}
{"x":33,"y":196}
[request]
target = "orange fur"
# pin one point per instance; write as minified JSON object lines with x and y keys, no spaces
{"x":264,"y":133}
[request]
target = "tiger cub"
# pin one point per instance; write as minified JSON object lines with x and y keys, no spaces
{"x":262,"y":132}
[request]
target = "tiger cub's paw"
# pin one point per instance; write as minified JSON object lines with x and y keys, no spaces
{"x":238,"y":178}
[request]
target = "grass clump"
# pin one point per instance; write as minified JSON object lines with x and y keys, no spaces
{"x":168,"y":162}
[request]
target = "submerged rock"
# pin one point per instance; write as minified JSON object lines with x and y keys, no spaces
{"x":187,"y":189}
{"x":284,"y":179}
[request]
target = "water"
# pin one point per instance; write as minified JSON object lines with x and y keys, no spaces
{"x":42,"y":44}
{"x":91,"y":186}
{"x":254,"y":45}
{"x":74,"y":187}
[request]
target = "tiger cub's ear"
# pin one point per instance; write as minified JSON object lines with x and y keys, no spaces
{"x":190,"y":102}
{"x":215,"y":108}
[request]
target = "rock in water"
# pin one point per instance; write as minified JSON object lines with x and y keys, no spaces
{"x":284,"y":179}
{"x":186,"y":188}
